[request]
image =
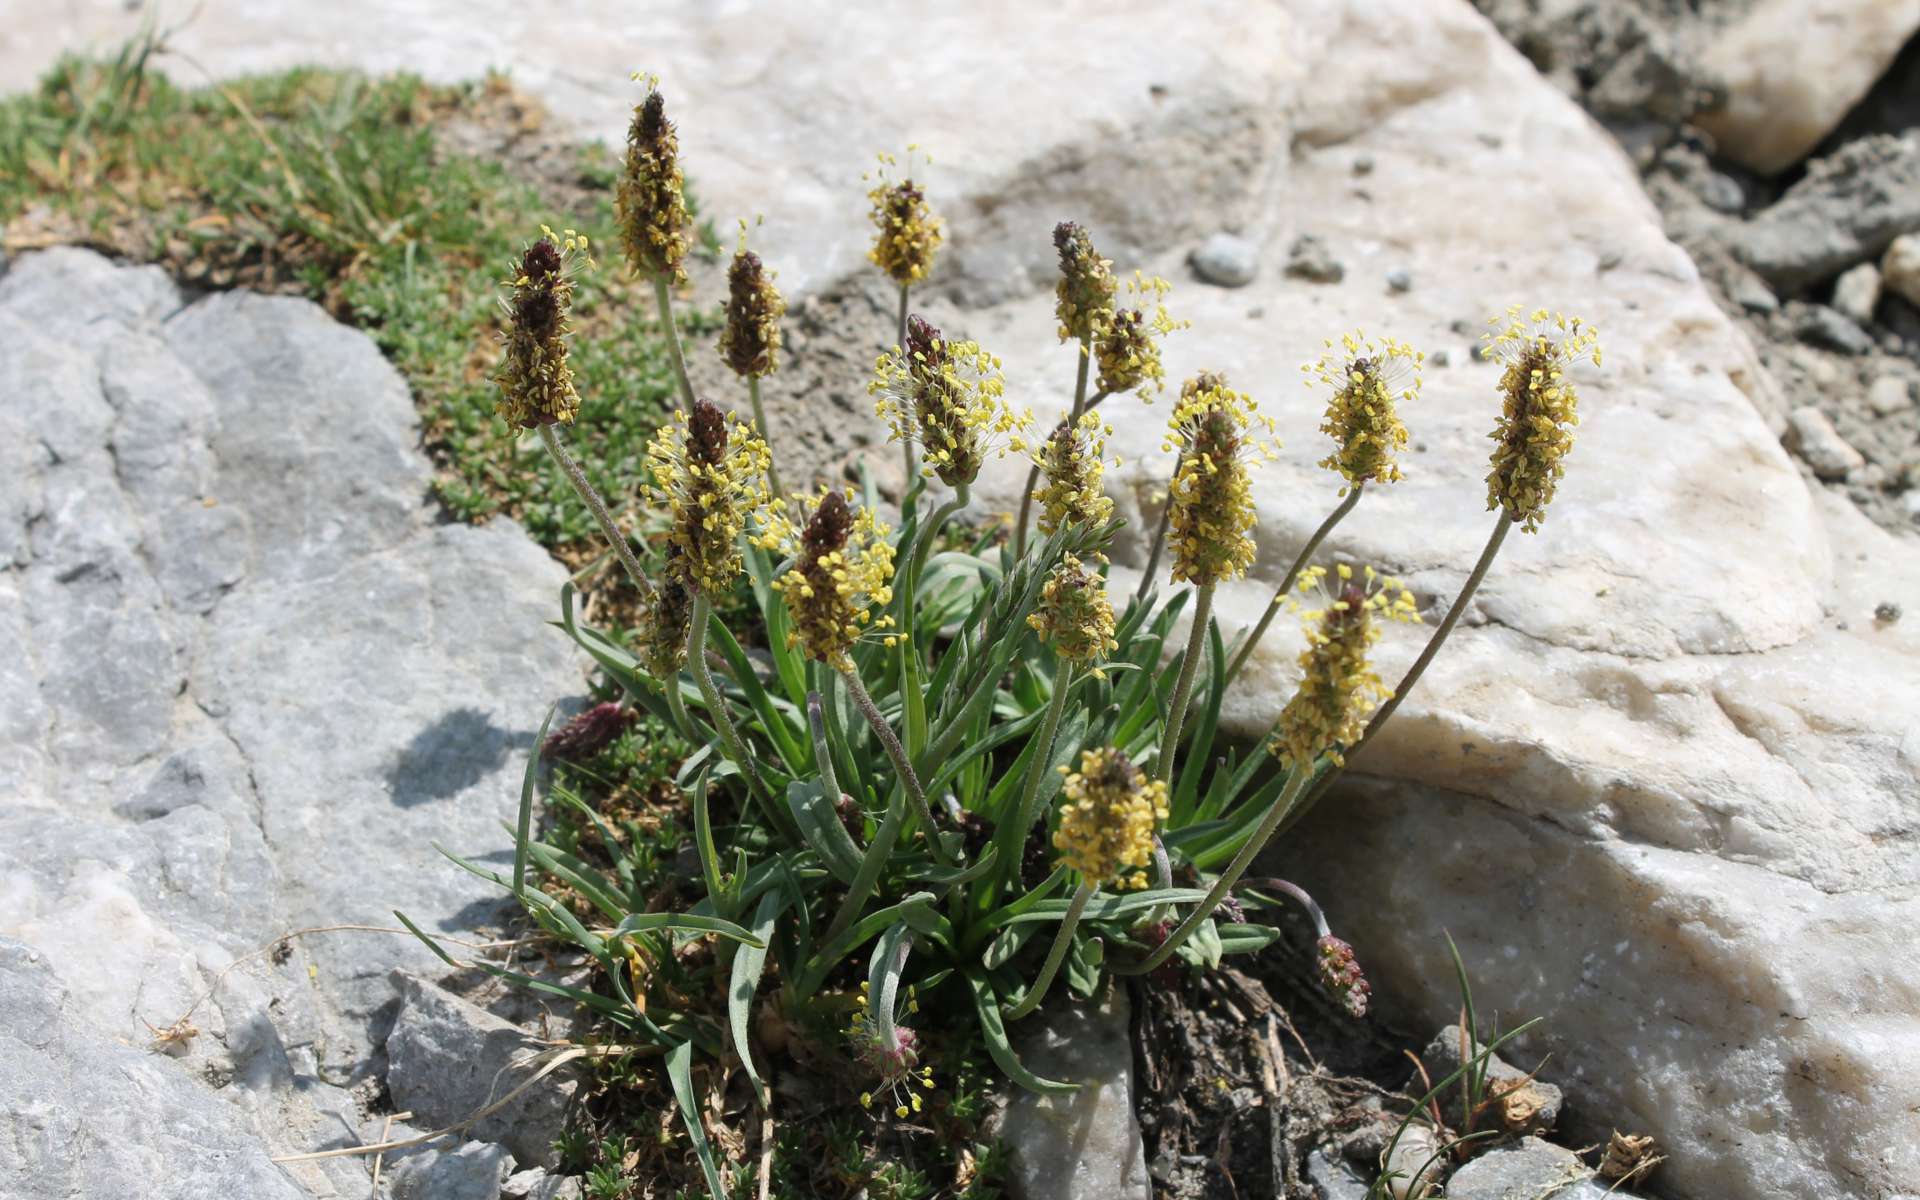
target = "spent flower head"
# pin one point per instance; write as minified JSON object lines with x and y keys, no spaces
{"x":750,"y":340}
{"x":1128,"y":352}
{"x":588,"y":732}
{"x":1369,"y":380}
{"x":708,"y":472}
{"x":1218,"y":435}
{"x":1539,"y":407}
{"x":1083,"y":299}
{"x":909,"y":233}
{"x":664,"y":622}
{"x":1339,"y":688}
{"x":1071,"y":470}
{"x":650,"y":203}
{"x":1108,"y":816}
{"x":536,"y":384}
{"x":1074,"y":615}
{"x":843,"y":565}
{"x":950,"y":398}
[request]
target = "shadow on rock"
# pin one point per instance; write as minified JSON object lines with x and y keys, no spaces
{"x":454,"y":753}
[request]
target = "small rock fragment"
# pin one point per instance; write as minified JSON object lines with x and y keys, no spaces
{"x":1886,"y":612}
{"x":1751,"y":292}
{"x":1818,"y":325}
{"x":1441,"y":357}
{"x":1415,"y":1163}
{"x":1084,"y":1143}
{"x":1857,"y":292}
{"x":1900,"y":267}
{"x":1812,"y":436}
{"x":473,"y":1172}
{"x":1334,"y":1180}
{"x":536,"y":1184}
{"x":1399,"y":280}
{"x":1847,"y":208}
{"x":1363,"y":165}
{"x":1889,"y":394}
{"x":1531,"y":1168}
{"x":1310,"y":259}
{"x":1227,"y":260}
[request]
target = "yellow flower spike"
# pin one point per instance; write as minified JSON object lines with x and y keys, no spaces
{"x":650,"y":203}
{"x":1128,"y":353}
{"x":1369,"y":381}
{"x":1072,"y":468}
{"x":1108,"y":815}
{"x":1218,"y":434}
{"x":909,"y":234}
{"x":707,"y":473}
{"x":1339,"y":688}
{"x":950,"y":398}
{"x":843,"y":562}
{"x":1074,"y":615}
{"x":1083,"y":299}
{"x":1540,"y":407}
{"x":536,"y":384}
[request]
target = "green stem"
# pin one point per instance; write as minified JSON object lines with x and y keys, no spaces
{"x":760,"y":426}
{"x":906,"y":444}
{"x":822,"y":754}
{"x":1153,"y":559}
{"x":923,"y":544}
{"x":1056,"y":954}
{"x":1296,"y":780}
{"x":717,"y":709}
{"x":895,"y":751}
{"x":677,"y":706}
{"x":663,"y":299}
{"x":597,"y":506}
{"x":1183,"y":687}
{"x":1293,"y":573}
{"x":1447,"y":623}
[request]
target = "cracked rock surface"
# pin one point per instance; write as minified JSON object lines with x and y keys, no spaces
{"x":247,"y":678}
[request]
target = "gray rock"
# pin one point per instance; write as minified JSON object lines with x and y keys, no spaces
{"x":1889,"y":394}
{"x":1900,"y":267}
{"x":1857,"y":292}
{"x":1848,"y":208}
{"x":1310,"y":259}
{"x":1534,"y":1106}
{"x":1085,"y":1143}
{"x":1751,"y":292}
{"x":1532,"y":1170}
{"x":83,"y":1115}
{"x":1812,"y":436}
{"x":1227,"y":260}
{"x":1818,"y":325}
{"x":1399,"y":280}
{"x":536,"y":1184}
{"x":1333,"y":1179}
{"x":472,"y":1172}
{"x":447,"y":1059}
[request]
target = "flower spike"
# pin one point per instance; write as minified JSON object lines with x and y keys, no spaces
{"x":650,"y":203}
{"x":1540,"y":408}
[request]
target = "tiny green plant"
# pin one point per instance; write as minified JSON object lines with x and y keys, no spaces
{"x":961,"y":772}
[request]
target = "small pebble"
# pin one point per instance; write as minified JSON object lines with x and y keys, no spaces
{"x":1227,"y":260}
{"x":1363,"y":165}
{"x":1818,"y":325}
{"x":1857,"y":292}
{"x":1310,"y":259}
{"x":1811,"y":435}
{"x":1889,"y":394}
{"x":1441,"y":357}
{"x":1887,"y":612}
{"x":1399,"y":280}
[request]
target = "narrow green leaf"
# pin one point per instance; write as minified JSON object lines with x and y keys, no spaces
{"x":748,"y":963}
{"x":680,"y":1071}
{"x":523,"y":827}
{"x":688,"y":923}
{"x":987,"y":1005}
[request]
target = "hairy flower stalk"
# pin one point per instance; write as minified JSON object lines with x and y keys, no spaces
{"x":1216,"y":433}
{"x":1368,"y":381}
{"x":750,"y":340}
{"x":1335,"y":963}
{"x":1531,"y":441}
{"x":1109,"y":814}
{"x":907,"y":238}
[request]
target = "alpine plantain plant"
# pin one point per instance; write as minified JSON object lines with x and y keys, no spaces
{"x":959,"y":774}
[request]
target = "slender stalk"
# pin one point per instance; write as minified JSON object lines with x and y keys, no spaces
{"x":1056,"y":954}
{"x":1286,"y":585}
{"x":1028,"y":809}
{"x":923,"y":545}
{"x":597,"y":506}
{"x":1221,"y":886}
{"x":1447,"y":623}
{"x":663,"y":299}
{"x":1183,"y":686}
{"x":906,"y":444}
{"x":895,"y":751}
{"x":717,"y":710}
{"x":822,"y":754}
{"x":677,"y":706}
{"x":1033,"y":477}
{"x":1153,"y":559}
{"x":760,"y":427}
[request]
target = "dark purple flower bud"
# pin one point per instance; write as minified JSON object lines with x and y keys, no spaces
{"x":587,"y":733}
